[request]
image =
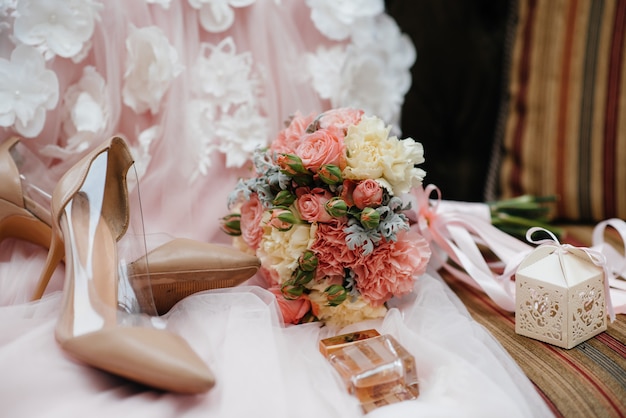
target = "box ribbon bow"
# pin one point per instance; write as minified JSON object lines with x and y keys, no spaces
{"x":596,"y":257}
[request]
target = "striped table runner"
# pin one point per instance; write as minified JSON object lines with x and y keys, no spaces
{"x":588,"y":380}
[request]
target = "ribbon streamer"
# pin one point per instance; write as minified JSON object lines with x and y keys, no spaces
{"x":457,"y":232}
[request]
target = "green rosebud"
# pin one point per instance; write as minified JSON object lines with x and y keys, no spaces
{"x":308,"y":261}
{"x":291,"y":291}
{"x":284,"y":198}
{"x":231,"y":224}
{"x":330,"y":174}
{"x":370,"y":218}
{"x":282,"y":219}
{"x":302,"y":277}
{"x":336,"y":207}
{"x":291,"y":165}
{"x":336,"y":294}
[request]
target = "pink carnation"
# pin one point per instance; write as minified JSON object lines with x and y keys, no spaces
{"x":332,"y":253}
{"x":288,"y":139}
{"x":251,"y":214}
{"x":311,"y":203}
{"x":293,"y":310}
{"x":341,"y":118}
{"x":391,"y":268}
{"x":324,"y":146}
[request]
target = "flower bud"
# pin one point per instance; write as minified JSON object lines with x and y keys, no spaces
{"x":330,"y":174}
{"x":231,"y":224}
{"x":302,"y":277}
{"x":336,"y":294}
{"x":284,"y":198}
{"x":370,"y":218}
{"x":291,"y":164}
{"x":282,"y":219}
{"x":291,"y":291}
{"x":308,"y":261}
{"x":336,"y":207}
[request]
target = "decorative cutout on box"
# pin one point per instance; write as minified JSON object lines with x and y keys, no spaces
{"x":561,"y":295}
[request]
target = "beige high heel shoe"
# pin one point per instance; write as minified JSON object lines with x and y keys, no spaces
{"x":20,"y":216}
{"x":91,"y":220}
{"x":177,"y":268}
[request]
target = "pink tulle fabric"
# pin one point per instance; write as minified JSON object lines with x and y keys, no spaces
{"x":262,"y":367}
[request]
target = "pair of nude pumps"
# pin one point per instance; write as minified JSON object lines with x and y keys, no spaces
{"x":113,"y":285}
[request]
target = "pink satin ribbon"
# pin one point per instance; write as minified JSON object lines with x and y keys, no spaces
{"x":457,"y":232}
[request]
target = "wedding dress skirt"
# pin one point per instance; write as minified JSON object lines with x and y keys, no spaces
{"x":262,"y":367}
{"x":223,"y":79}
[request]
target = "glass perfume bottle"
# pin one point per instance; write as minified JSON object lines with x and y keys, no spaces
{"x":375,"y":368}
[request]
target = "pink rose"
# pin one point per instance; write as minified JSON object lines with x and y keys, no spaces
{"x":341,"y":118}
{"x":311,"y":203}
{"x":270,"y":276}
{"x":367,"y":193}
{"x":288,"y":139}
{"x":251,"y":214}
{"x":333,"y":255}
{"x":293,"y":310}
{"x":324,"y":146}
{"x":390,"y":270}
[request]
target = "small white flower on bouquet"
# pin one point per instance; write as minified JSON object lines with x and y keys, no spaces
{"x":27,"y":90}
{"x":57,"y":27}
{"x":151,"y":66}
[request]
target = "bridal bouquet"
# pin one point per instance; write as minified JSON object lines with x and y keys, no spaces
{"x":325,"y":215}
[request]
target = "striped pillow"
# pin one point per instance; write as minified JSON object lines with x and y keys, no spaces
{"x":565,"y":127}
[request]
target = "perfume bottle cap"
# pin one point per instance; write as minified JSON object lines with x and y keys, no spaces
{"x":329,"y":345}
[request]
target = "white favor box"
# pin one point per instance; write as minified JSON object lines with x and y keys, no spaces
{"x":560,"y":298}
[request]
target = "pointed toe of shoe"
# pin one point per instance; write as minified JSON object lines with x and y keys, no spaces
{"x":151,"y":357}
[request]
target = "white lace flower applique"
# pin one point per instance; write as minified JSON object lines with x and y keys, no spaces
{"x":6,"y":7}
{"x":370,"y":73}
{"x":27,"y":90}
{"x":218,"y":15}
{"x":225,"y":114}
{"x":336,"y":19}
{"x":85,"y":112}
{"x":151,"y":66}
{"x":57,"y":27}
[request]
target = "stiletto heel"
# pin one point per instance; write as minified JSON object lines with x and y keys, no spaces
{"x":203,"y":266}
{"x":90,"y":216}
